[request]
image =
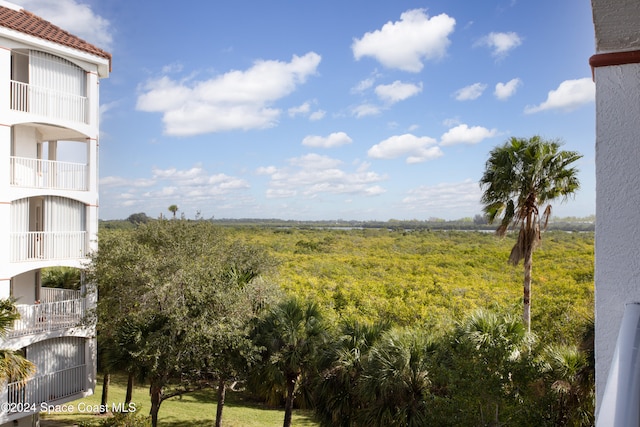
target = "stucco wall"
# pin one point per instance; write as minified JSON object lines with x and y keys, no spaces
{"x":616,"y":25}
{"x":617,"y":270}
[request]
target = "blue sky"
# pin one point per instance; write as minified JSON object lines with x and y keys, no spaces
{"x":365,"y":110}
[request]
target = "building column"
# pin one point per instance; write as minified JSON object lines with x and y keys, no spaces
{"x":5,"y":210}
{"x":93,"y":95}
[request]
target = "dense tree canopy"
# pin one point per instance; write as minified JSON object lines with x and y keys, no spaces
{"x":397,"y":306}
{"x":176,"y":298}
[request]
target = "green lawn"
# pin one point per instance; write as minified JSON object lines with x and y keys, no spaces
{"x":190,"y":410}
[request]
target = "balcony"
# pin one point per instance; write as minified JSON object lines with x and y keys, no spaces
{"x":48,"y":102}
{"x":49,"y":316}
{"x":35,"y":173}
{"x":42,"y":245}
{"x":42,"y":389}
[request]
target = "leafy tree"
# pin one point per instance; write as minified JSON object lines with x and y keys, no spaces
{"x":291,"y":334}
{"x":61,"y":277}
{"x":479,"y":219}
{"x":116,"y":269}
{"x":176,"y":298}
{"x":140,"y":218}
{"x":173,"y":209}
{"x":520,"y":177}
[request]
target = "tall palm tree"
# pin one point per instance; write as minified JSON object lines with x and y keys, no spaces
{"x":292,"y":333}
{"x":521,"y":177}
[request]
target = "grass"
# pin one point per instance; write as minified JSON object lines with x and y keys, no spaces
{"x":191,"y":410}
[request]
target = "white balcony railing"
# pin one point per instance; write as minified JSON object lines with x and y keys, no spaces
{"x":44,"y":389}
{"x":58,"y":294}
{"x":48,"y":102}
{"x":34,"y":173}
{"x":48,"y":316}
{"x":42,"y":245}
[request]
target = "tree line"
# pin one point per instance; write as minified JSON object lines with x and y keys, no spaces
{"x":186,"y":305}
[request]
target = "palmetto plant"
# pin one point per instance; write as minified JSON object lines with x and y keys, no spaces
{"x":572,"y":386}
{"x":291,"y":334}
{"x":13,"y":367}
{"x":395,"y":382}
{"x":521,"y":178}
{"x":337,"y":400}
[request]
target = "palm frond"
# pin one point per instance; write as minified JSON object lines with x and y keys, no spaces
{"x":14,"y":367}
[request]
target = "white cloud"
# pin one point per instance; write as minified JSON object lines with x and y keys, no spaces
{"x":174,"y":67}
{"x":463,"y":134}
{"x":314,"y":174}
{"x":302,"y":109}
{"x":196,"y":181}
{"x":470,"y":92}
{"x":117,"y":181}
{"x":105,"y":108}
{"x":451,"y":122}
{"x":570,"y":95}
{"x":74,"y":17}
{"x":397,"y":91}
{"x":501,"y":43}
{"x":506,"y":90}
{"x":266,"y":170}
{"x":317,"y":115}
{"x":191,"y":189}
{"x":113,"y":181}
{"x":234,"y":100}
{"x":460,"y":199}
{"x":364,"y":110}
{"x":280,"y":193}
{"x":404,"y":44}
{"x":363,"y":85}
{"x":335,"y":139}
{"x":416,"y":149}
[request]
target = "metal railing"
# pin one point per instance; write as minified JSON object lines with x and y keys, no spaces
{"x":44,"y":388}
{"x":43,"y":245}
{"x":48,"y":316}
{"x":35,"y":173}
{"x":48,"y":102}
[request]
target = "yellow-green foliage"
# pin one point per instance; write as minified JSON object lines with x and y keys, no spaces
{"x":430,"y":278}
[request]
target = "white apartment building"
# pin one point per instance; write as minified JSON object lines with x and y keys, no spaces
{"x":49,"y":130}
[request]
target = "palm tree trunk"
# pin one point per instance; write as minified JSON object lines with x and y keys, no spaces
{"x":129,"y":395}
{"x":106,"y":380}
{"x":526,"y":298}
{"x":222,"y":391}
{"x":288,"y":406}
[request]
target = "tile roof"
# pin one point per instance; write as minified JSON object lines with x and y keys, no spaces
{"x":28,"y":23}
